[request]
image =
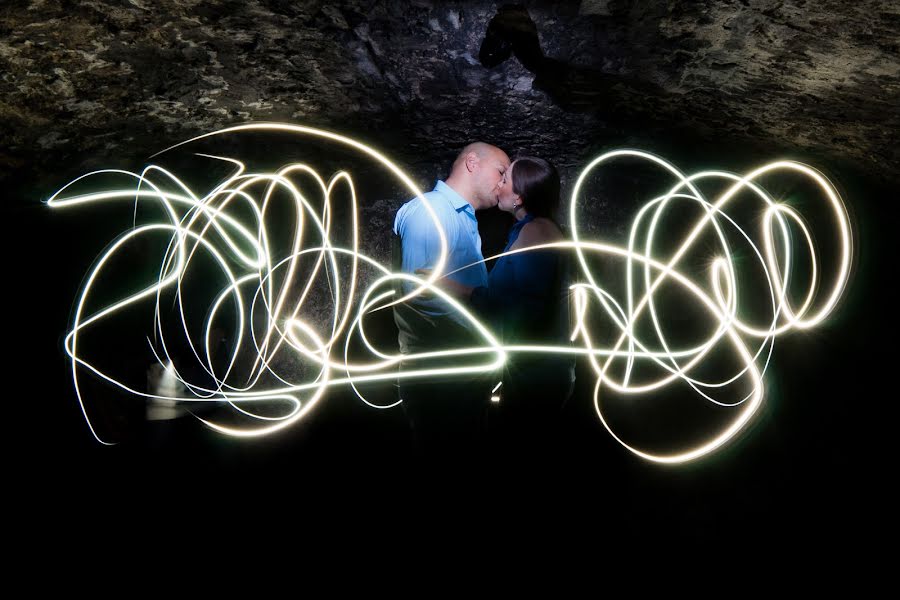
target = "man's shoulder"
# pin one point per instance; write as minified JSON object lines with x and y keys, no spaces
{"x":433,"y":197}
{"x":415,"y":209}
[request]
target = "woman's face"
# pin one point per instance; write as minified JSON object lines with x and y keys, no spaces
{"x":506,"y":198}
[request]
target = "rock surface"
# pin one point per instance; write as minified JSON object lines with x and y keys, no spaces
{"x":95,"y":82}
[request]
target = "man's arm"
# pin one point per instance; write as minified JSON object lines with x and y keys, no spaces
{"x":419,"y":237}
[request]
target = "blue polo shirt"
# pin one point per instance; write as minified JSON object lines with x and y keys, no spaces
{"x":422,"y":246}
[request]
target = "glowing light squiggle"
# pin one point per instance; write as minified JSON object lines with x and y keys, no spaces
{"x":267,"y":295}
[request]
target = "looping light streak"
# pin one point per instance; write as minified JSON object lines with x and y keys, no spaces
{"x":264,"y":297}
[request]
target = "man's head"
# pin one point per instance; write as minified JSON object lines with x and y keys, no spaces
{"x":477,"y":172}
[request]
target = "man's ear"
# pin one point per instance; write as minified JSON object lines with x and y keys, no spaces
{"x":471,"y":161}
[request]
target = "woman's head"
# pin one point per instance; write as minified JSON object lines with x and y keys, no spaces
{"x":530,"y":183}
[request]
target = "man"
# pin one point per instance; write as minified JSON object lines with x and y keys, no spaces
{"x":445,"y":412}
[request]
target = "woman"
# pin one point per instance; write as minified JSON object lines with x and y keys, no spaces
{"x":526,"y":303}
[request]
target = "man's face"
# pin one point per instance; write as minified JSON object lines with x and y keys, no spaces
{"x":489,"y":176}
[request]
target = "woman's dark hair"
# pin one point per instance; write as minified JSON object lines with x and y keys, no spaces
{"x":536,"y":181}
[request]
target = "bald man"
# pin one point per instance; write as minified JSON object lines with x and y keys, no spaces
{"x":472,"y":185}
{"x":443,"y":411}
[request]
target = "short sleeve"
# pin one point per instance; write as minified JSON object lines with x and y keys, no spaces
{"x":419,"y":236}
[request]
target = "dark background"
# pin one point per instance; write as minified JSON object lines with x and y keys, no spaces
{"x":85,"y":88}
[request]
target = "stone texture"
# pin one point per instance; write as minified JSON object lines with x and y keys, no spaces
{"x":106,"y":83}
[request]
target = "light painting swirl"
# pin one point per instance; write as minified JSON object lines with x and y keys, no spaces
{"x":269,"y":289}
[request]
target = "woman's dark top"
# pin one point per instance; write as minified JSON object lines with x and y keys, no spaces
{"x":526,"y":302}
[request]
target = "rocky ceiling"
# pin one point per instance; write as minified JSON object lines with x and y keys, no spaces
{"x":95,"y":83}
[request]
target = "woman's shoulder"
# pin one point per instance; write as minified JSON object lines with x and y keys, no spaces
{"x":540,"y":231}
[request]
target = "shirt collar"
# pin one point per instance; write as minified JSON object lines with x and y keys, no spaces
{"x":458,"y":202}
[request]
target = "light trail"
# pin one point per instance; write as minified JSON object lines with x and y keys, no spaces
{"x":268,"y":303}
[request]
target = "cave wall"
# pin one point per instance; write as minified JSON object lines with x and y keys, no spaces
{"x":108,"y":83}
